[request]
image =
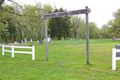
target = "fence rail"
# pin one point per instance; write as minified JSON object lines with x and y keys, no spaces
{"x":23,"y":52}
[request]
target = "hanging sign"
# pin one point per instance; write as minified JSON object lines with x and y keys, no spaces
{"x":62,"y":14}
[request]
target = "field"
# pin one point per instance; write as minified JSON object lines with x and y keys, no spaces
{"x":66,"y":62}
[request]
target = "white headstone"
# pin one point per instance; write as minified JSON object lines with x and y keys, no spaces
{"x":22,"y":41}
{"x":31,"y":40}
{"x":48,"y":39}
{"x":37,"y":41}
{"x":15,"y":42}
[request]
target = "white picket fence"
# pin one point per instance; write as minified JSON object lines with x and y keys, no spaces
{"x":13,"y":51}
{"x":114,"y":58}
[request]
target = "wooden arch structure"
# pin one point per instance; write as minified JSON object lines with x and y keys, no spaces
{"x":62,"y":14}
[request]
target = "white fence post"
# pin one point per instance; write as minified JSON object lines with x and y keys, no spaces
{"x":33,"y":53}
{"x":3,"y":49}
{"x":12,"y":51}
{"x":113,"y":59}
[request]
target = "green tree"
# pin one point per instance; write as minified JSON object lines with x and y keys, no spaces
{"x":115,"y":24}
{"x":104,"y":31}
{"x":34,"y":22}
{"x":94,"y":31}
{"x":60,"y":26}
{"x":78,"y":27}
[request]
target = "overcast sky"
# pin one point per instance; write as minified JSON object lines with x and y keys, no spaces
{"x":101,"y":10}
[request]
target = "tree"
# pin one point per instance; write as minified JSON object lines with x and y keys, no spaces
{"x":115,"y":24}
{"x":8,"y":22}
{"x":104,"y":31}
{"x":35,"y":23}
{"x":1,"y":2}
{"x":94,"y":32}
{"x":60,"y":26}
{"x":78,"y":27}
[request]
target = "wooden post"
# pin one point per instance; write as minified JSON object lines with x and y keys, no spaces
{"x":46,"y":39}
{"x":87,"y":37}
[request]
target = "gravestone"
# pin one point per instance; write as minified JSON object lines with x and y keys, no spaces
{"x":31,"y":40}
{"x":40,"y":42}
{"x":10,"y":41}
{"x":48,"y":39}
{"x":117,"y":53}
{"x":3,"y":42}
{"x":15,"y":42}
{"x":20,"y":41}
{"x":113,"y":38}
{"x":0,"y":45}
{"x":74,"y":43}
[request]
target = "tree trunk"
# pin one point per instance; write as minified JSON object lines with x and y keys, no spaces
{"x":15,"y":38}
{"x":20,"y":34}
{"x":64,"y":36}
{"x":10,"y":34}
{"x":75,"y":34}
{"x":40,"y":42}
{"x":5,"y":38}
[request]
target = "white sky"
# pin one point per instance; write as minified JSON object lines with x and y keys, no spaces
{"x":101,"y":10}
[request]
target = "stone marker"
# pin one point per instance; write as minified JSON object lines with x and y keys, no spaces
{"x":74,"y":43}
{"x":3,"y":42}
{"x":31,"y":40}
{"x":20,"y":41}
{"x":15,"y":42}
{"x":10,"y":41}
{"x":40,"y":42}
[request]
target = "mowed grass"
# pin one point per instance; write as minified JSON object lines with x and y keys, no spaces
{"x":66,"y":62}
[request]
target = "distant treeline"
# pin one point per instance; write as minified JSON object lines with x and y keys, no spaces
{"x":17,"y":23}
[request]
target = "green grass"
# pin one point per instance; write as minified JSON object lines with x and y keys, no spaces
{"x":66,"y":62}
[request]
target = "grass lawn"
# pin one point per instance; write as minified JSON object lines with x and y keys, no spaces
{"x":66,"y":62}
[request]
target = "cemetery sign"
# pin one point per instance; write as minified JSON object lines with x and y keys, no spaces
{"x":62,"y":14}
{"x":68,"y":13}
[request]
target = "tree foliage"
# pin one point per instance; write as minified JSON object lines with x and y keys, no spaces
{"x":78,"y":27}
{"x":17,"y":23}
{"x":60,"y":26}
{"x":94,"y":31}
{"x":115,"y":24}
